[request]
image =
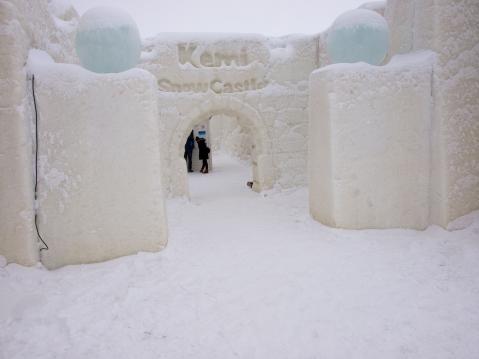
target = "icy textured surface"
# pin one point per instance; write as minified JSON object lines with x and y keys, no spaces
{"x":99,"y":188}
{"x":278,"y":110}
{"x":230,"y":137}
{"x":359,"y":35}
{"x":451,"y":29}
{"x":62,"y":9}
{"x":400,"y":15}
{"x":108,"y":40}
{"x":23,"y":24}
{"x":377,"y":6}
{"x":369,"y":125}
{"x":254,"y":277}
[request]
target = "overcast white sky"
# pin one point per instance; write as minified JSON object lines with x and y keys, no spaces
{"x":268,"y":17}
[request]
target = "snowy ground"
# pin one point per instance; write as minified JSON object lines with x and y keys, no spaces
{"x":249,"y":275}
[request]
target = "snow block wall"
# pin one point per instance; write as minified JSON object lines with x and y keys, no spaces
{"x":100,"y":193}
{"x":262,"y":82}
{"x":378,"y":6}
{"x":400,"y":16}
{"x":451,"y":29}
{"x":391,"y":146}
{"x":24,"y":24}
{"x":369,"y":144}
{"x":229,"y":136}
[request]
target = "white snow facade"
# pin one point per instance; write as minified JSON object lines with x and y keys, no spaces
{"x":100,"y":194}
{"x":389,"y":146}
{"x":261,"y":82}
{"x":400,"y":143}
{"x":369,"y":156}
{"x":99,"y":191}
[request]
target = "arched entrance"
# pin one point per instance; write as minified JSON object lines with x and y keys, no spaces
{"x":247,"y":116}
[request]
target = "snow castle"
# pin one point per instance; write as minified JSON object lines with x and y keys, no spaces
{"x":394,"y":145}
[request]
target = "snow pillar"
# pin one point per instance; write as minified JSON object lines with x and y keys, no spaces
{"x":400,"y":17}
{"x":451,"y":29}
{"x":18,"y":241}
{"x":100,"y":193}
{"x":369,"y":144}
{"x":263,"y":177}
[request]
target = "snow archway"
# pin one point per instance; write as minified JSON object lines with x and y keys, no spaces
{"x":247,"y":117}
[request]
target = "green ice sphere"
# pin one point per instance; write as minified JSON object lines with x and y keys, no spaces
{"x":107,"y":40}
{"x":358,"y":36}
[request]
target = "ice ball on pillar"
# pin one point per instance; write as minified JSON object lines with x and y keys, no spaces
{"x":359,"y":35}
{"x":107,"y":40}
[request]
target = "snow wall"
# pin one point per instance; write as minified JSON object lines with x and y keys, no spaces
{"x":229,"y":136}
{"x":369,"y":144}
{"x":24,"y":24}
{"x":99,"y":180}
{"x":263,"y":83}
{"x":443,"y":176}
{"x":451,"y":29}
{"x":99,"y":192}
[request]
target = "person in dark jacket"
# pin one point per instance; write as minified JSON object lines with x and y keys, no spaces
{"x":204,"y":151}
{"x":189,"y":146}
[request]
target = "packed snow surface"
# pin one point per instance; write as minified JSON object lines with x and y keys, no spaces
{"x":374,"y":5}
{"x":250,"y":275}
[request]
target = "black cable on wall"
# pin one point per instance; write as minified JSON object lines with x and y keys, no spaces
{"x":45,"y":246}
